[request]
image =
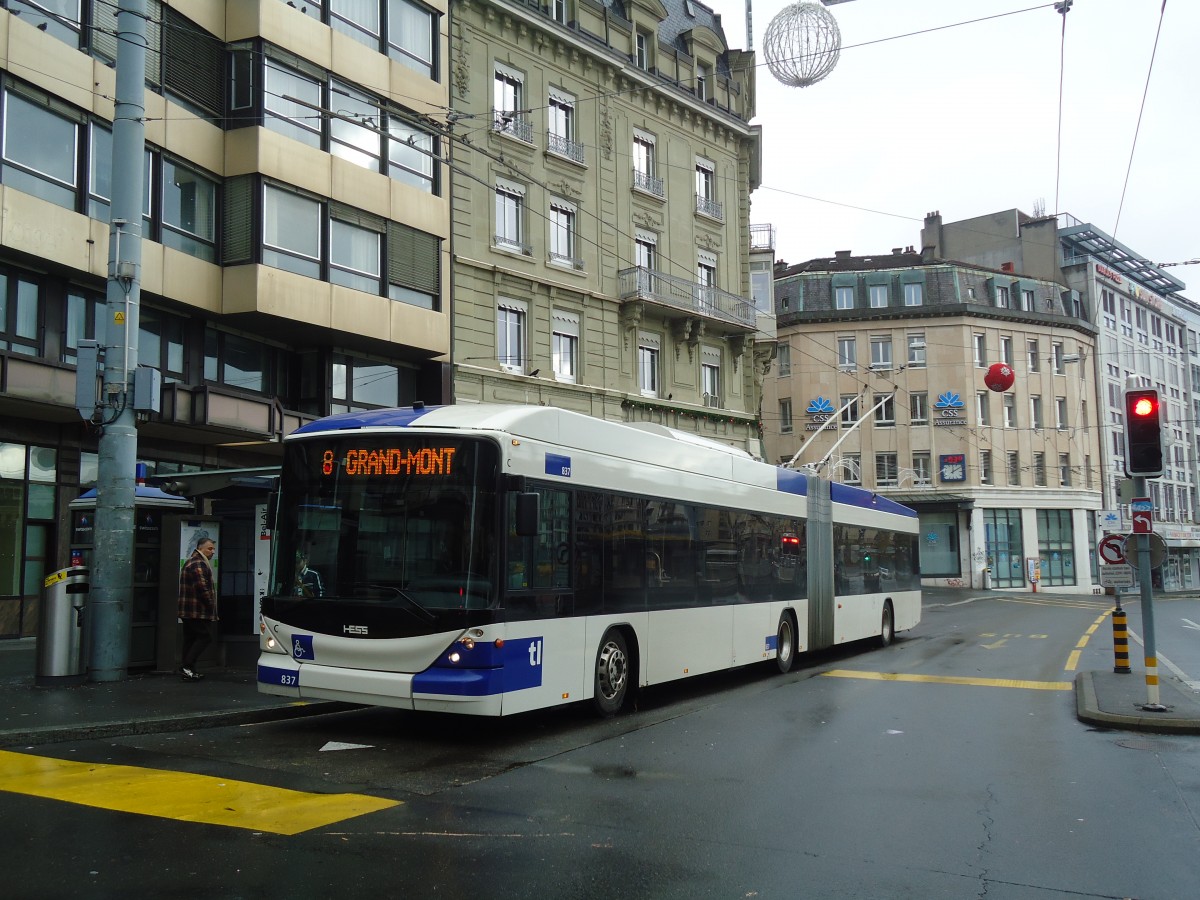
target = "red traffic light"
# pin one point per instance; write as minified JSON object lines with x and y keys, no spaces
{"x":1144,"y":406}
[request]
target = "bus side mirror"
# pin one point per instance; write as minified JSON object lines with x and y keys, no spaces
{"x":527,"y":514}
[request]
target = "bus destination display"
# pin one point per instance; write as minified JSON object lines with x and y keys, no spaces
{"x":390,"y":461}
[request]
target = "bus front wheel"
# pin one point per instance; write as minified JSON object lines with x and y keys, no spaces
{"x":612,"y":674}
{"x":887,"y":628}
{"x":785,"y":643}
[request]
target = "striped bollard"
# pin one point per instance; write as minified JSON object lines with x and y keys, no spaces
{"x":1120,"y":642}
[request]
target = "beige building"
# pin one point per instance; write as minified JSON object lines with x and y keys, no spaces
{"x":603,"y":162}
{"x":903,"y":343}
{"x":295,"y":253}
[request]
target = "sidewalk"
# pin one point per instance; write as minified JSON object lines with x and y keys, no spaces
{"x":155,"y":702}
{"x":141,"y":704}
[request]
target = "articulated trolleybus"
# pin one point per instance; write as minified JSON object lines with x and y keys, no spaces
{"x":495,"y":559}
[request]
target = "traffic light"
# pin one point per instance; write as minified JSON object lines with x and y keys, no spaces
{"x":1144,"y":422}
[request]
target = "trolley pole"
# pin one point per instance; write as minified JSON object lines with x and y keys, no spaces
{"x":1143,"y":544}
{"x":111,"y":601}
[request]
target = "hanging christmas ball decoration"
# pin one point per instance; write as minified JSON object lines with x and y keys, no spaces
{"x":999,"y":377}
{"x":802,"y":44}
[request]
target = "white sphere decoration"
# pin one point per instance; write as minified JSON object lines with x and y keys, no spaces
{"x":802,"y":44}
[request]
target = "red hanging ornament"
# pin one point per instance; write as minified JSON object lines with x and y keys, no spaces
{"x":999,"y":377}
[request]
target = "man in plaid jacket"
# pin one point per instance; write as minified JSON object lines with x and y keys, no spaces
{"x":197,"y":606}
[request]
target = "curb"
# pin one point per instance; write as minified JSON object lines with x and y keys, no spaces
{"x":1087,"y":709}
{"x":58,"y":734}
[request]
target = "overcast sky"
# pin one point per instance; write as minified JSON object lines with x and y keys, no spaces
{"x":965,"y":120}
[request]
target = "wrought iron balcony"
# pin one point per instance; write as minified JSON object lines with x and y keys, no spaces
{"x":711,"y":208}
{"x":562,"y":259}
{"x":688,"y":297}
{"x":644,"y":181}
{"x":561,"y":146}
{"x":514,"y":124}
{"x":500,"y":242}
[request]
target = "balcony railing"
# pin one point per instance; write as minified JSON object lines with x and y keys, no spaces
{"x":513,"y":124}
{"x":562,"y":259}
{"x":500,"y":242}
{"x":646,"y":284}
{"x":644,"y":181}
{"x":561,"y":146}
{"x":710,"y":208}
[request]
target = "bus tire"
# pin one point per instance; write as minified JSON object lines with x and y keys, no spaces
{"x":887,"y":627}
{"x":612,"y":673}
{"x":785,"y":642}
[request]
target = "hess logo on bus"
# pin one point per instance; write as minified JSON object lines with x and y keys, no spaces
{"x":354,"y":629}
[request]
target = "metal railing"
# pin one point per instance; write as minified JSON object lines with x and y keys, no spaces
{"x":500,"y":242}
{"x":563,"y":259}
{"x":513,"y":124}
{"x":711,"y":208}
{"x":557,"y":144}
{"x":641,"y":283}
{"x":644,"y":181}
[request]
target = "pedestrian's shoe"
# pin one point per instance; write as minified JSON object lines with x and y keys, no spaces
{"x":190,"y":675}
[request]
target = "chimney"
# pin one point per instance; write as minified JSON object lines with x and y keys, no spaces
{"x":931,"y":235}
{"x":895,"y":251}
{"x":841,"y":254}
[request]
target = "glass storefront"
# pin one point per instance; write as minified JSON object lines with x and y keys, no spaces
{"x":1056,"y":547}
{"x":1002,"y":542}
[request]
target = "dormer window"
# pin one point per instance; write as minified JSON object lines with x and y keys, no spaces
{"x":703,"y":80}
{"x":641,"y":43}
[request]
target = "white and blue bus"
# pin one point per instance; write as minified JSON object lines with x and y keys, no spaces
{"x":495,"y":559}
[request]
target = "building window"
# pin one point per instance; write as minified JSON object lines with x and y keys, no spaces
{"x":914,"y":294}
{"x":979,"y":343}
{"x":877,"y":296}
{"x":563,"y":239}
{"x":785,"y":416}
{"x":355,"y":256}
{"x":412,"y":36}
{"x":847,"y":352}
{"x":20,"y":315}
{"x":851,"y":468}
{"x":358,"y":383}
{"x":1035,"y":412}
{"x":706,"y":281}
{"x":1034,"y":362}
{"x":353,"y":140}
{"x":710,"y":377}
{"x":1013,"y":464}
{"x":357,"y":18}
{"x":1010,"y":411}
{"x":411,"y":153}
{"x":291,"y":232}
{"x":706,"y":198}
{"x":1006,"y":351}
{"x":648,"y":348}
{"x":881,"y":352}
{"x":189,"y":211}
{"x":40,"y":150}
{"x":100,"y":178}
{"x":560,"y":137}
{"x":1056,"y":546}
{"x":510,"y":335}
{"x":558,"y":11}
{"x":1002,"y":297}
{"x":1039,"y":469}
{"x":783,"y":358}
{"x":1056,"y":358}
{"x":641,"y":42}
{"x":885,"y":410}
{"x":644,"y":178}
{"x":1028,"y":302}
{"x":160,"y":342}
{"x":848,"y":404}
{"x":1060,"y":413}
{"x":564,"y":345}
{"x":983,"y":405}
{"x":510,"y":217}
{"x":916,"y":350}
{"x":85,"y":316}
{"x":703,"y":74}
{"x":886,"y":470}
{"x":1064,"y":469}
{"x":508,"y":115}
{"x":843,"y":297}
{"x":985,"y":466}
{"x":922,"y":468}
{"x":238,"y":362}
{"x":1003,"y":545}
{"x":298,"y":118}
{"x":918,"y":408}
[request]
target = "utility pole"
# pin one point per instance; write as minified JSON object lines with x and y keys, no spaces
{"x":111,"y":597}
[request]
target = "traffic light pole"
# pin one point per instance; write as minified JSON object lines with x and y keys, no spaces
{"x":1143,"y":547}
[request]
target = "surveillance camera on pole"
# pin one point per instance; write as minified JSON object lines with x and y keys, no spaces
{"x":1144,"y":426}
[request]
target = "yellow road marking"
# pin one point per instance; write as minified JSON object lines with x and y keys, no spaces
{"x":180,"y":795}
{"x":1073,"y":657}
{"x":947,"y":679}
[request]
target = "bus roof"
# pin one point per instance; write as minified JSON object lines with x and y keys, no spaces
{"x":566,"y":428}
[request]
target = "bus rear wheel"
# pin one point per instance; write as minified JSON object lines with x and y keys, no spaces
{"x":785,"y":643}
{"x":612,"y":674}
{"x":887,"y":628}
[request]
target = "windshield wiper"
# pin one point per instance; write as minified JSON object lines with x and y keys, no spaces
{"x":417,"y":609}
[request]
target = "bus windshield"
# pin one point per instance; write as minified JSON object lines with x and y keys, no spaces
{"x":401,"y":521}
